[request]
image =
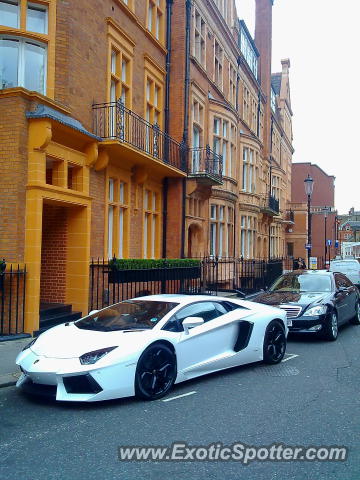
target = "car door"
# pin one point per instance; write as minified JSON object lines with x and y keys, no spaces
{"x":204,"y":347}
{"x":345,"y":297}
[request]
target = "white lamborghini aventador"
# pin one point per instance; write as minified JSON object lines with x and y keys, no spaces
{"x":144,"y":345}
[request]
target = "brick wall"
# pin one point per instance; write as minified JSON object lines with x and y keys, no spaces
{"x":53,"y":255}
{"x":13,"y":167}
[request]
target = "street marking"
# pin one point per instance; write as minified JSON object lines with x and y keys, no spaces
{"x":291,"y":356}
{"x":179,"y":396}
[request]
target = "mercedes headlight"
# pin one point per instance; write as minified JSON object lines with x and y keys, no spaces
{"x":92,"y":357}
{"x":314,"y":311}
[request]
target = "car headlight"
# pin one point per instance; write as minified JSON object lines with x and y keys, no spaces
{"x":318,"y":310}
{"x":29,"y":344}
{"x":92,"y":357}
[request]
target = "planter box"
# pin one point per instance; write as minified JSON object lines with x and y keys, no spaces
{"x":154,"y":274}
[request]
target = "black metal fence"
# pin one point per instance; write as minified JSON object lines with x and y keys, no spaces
{"x":231,"y":274}
{"x":12,"y":300}
{"x":114,"y":121}
{"x":108,"y":287}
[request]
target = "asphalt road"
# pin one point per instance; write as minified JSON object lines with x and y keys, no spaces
{"x":311,"y":399}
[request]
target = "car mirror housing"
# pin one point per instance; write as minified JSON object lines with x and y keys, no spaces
{"x":191,"y":322}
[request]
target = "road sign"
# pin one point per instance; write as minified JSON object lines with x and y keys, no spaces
{"x":313,"y":263}
{"x":308,"y":246}
{"x":329,"y":242}
{"x":336,"y":243}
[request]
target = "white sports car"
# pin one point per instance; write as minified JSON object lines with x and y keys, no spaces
{"x":144,"y":345}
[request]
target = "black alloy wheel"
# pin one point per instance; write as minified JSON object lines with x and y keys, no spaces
{"x":274,"y":343}
{"x":155,"y":372}
{"x":355,"y":320}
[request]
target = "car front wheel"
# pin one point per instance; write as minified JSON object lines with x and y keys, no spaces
{"x":355,"y":320}
{"x":155,"y":372}
{"x":331,"y":328}
{"x":274,"y":343}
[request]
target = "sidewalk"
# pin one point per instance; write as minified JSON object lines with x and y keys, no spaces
{"x":9,"y":371}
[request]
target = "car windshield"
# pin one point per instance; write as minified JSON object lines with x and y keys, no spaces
{"x":128,"y":315}
{"x":305,"y":282}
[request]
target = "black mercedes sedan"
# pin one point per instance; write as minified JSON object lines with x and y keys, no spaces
{"x":316,"y":301}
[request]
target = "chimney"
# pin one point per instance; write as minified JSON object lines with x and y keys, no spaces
{"x":263,"y":40}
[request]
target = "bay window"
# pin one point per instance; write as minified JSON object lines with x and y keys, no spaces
{"x":22,"y":64}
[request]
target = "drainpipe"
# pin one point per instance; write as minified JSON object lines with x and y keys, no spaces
{"x":169,"y":4}
{"x":237,"y":83}
{"x":185,"y":139}
{"x":167,"y":119}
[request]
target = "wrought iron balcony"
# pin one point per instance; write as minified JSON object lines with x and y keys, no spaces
{"x":205,"y":165}
{"x":270,"y":205}
{"x":114,"y":121}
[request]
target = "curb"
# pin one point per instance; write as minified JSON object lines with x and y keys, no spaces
{"x":9,"y":380}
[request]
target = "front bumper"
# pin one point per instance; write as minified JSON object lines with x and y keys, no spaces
{"x":306,"y":324}
{"x":68,"y":380}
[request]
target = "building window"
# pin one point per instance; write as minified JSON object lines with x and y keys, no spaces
{"x":117,"y":217}
{"x":221,"y":230}
{"x":199,"y":47}
{"x":155,"y":18}
{"x":248,"y":49}
{"x":261,"y":124}
{"x":273,"y":100}
{"x":248,"y":177}
{"x":275,"y":188}
{"x":224,"y":143}
{"x":254,"y":115}
{"x":120,"y":77}
{"x":153,"y":101}
{"x":248,"y":228}
{"x":151,"y":224}
{"x":232,"y":85}
{"x":9,"y":13}
{"x":36,"y":18}
{"x":22,"y":64}
{"x":274,"y":241}
{"x":246,"y":105}
{"x":197,"y":133}
{"x":218,"y":77}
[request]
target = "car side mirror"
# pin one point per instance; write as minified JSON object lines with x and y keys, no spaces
{"x":191,"y":322}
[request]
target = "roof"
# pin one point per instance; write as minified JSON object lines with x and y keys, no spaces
{"x":355,"y":225}
{"x":276,"y":82}
{"x":43,"y":111}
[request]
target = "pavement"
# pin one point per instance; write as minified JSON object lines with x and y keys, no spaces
{"x":9,"y":371}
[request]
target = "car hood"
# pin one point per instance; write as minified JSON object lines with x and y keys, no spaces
{"x":71,"y":342}
{"x":277,"y":298}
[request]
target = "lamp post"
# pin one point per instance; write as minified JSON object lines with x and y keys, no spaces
{"x":325,"y":209}
{"x":309,"y":185}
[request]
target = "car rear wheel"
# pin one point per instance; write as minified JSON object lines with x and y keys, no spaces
{"x":355,"y":320}
{"x":155,"y":372}
{"x":274,"y":343}
{"x":331,"y":328}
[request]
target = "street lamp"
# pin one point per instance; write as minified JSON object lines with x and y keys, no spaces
{"x":325,"y":210}
{"x":309,"y":185}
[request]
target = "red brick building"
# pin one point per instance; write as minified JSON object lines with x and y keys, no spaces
{"x":323,"y":214}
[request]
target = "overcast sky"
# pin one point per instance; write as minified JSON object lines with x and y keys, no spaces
{"x":322,"y":40}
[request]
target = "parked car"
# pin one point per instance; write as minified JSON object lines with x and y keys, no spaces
{"x":315,"y":301}
{"x":349,"y":267}
{"x":145,"y":345}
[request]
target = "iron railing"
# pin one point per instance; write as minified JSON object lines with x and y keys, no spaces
{"x":12,"y":301}
{"x":205,"y":163}
{"x":108,"y":286}
{"x":270,"y":204}
{"x":114,"y":121}
{"x":239,"y":274}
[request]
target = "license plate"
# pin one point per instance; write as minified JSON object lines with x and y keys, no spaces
{"x":289,"y":322}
